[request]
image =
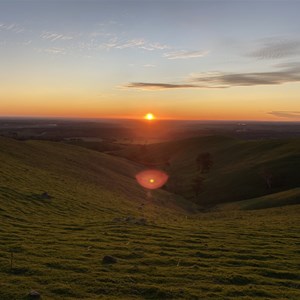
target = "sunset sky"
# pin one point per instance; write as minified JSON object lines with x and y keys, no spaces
{"x":206,"y":60}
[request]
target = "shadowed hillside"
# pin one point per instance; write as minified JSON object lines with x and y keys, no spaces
{"x":289,"y":197}
{"x":240,"y":169}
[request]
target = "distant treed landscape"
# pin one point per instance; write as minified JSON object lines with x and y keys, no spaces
{"x":139,"y":132}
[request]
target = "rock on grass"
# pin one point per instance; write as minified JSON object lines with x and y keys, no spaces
{"x":107,"y":259}
{"x":34,"y":295}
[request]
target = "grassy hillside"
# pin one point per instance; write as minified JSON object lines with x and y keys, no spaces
{"x":290,"y":197}
{"x":95,"y":209}
{"x":239,"y":167}
{"x":67,"y":172}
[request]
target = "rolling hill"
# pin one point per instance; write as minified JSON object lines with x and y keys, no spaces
{"x":240,"y":167}
{"x":64,"y":208}
{"x":289,"y":197}
{"x":66,"y":172}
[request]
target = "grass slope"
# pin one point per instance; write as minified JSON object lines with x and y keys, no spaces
{"x":58,"y":244}
{"x":68,"y":172}
{"x":237,"y":170}
{"x":290,"y":197}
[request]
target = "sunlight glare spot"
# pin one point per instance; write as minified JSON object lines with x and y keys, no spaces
{"x":149,"y":116}
{"x":152,"y":178}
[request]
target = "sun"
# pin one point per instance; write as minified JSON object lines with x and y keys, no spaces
{"x":149,"y":116}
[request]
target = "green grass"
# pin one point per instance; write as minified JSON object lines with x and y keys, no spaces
{"x":58,"y":243}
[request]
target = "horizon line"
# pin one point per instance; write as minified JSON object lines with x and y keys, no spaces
{"x":141,"y":119}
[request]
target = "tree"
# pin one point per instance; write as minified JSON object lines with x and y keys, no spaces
{"x":268,"y":177}
{"x":204,"y":162}
{"x":197,"y":185}
{"x":272,"y":179}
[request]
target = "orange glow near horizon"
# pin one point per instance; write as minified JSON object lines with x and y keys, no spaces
{"x":55,"y":113}
{"x":54,"y":101}
{"x":75,"y":107}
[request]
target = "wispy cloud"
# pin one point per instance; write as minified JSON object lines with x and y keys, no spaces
{"x":52,"y":36}
{"x":115,"y":43}
{"x":185,"y":54}
{"x":100,"y":33}
{"x":28,"y":42}
{"x":152,"y":86}
{"x":13,"y":27}
{"x":135,"y":43}
{"x":276,"y":48}
{"x":53,"y":50}
{"x":286,"y":73}
{"x":286,"y":114}
{"x":154,"y":46}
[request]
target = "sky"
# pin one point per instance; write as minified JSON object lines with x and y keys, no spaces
{"x":200,"y":60}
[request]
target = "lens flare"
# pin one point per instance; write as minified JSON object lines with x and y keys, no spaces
{"x":152,"y":179}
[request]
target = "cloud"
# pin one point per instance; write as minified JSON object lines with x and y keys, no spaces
{"x":51,"y":36}
{"x":100,"y":33}
{"x":286,"y":114}
{"x":53,"y":50}
{"x":185,"y":54}
{"x":157,"y":86}
{"x":13,"y":27}
{"x":276,"y":49}
{"x":286,"y":74}
{"x":283,"y":74}
{"x":114,"y":43}
{"x":154,"y":46}
{"x":28,"y":42}
{"x":135,"y":43}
